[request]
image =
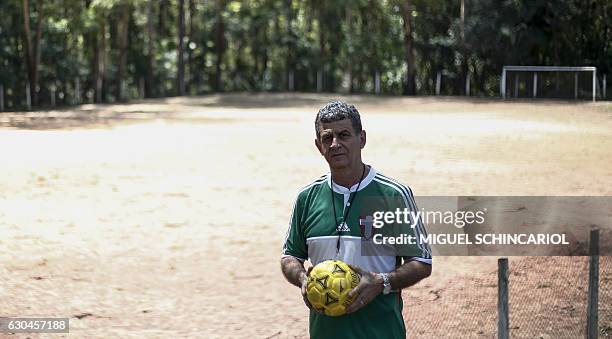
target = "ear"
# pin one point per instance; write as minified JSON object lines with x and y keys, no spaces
{"x":362,"y":136}
{"x":319,"y":146}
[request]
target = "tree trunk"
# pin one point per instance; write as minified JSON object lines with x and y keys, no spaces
{"x":37,"y":52}
{"x":190,"y":62}
{"x":464,"y":53}
{"x":180,"y":76}
{"x":237,"y":77}
{"x":406,"y":12}
{"x":219,"y":43}
{"x":290,"y":60}
{"x":321,"y":77}
{"x":28,"y":43}
{"x":101,"y":78}
{"x":349,"y":41}
{"x":122,"y":37}
{"x":32,"y":51}
{"x":264,"y":57}
{"x":163,"y":13}
{"x":92,"y":43}
{"x":149,"y":78}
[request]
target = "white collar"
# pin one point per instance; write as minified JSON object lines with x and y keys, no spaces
{"x":343,"y":190}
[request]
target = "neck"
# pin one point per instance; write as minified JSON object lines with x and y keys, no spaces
{"x":349,"y":176}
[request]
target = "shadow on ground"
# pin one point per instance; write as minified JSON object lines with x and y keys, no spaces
{"x":188,"y":108}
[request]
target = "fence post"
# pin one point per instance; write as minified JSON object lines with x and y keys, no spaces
{"x":141,"y":88}
{"x":320,"y":80}
{"x":535,"y":84}
{"x":28,"y":97}
{"x":377,"y":83}
{"x":1,"y":97}
{"x":604,"y":87}
{"x":592,"y":316}
{"x":503,"y":84}
{"x":594,"y":85}
{"x":291,"y":81}
{"x":503,"y":324}
{"x":52,"y":90}
{"x":438,"y":82}
{"x":576,"y":85}
{"x":77,"y":91}
{"x":122,"y":91}
{"x":598,"y":89}
{"x":467,"y":85}
{"x":516,"y":85}
{"x":98,"y":89}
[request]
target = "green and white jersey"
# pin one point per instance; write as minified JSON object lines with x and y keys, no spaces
{"x":314,"y":232}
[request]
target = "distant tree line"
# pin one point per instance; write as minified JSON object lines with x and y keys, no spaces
{"x":59,"y":52}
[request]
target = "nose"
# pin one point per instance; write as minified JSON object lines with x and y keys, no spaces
{"x":335,"y":143}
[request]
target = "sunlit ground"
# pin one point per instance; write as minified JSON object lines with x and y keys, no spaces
{"x":165,"y":218}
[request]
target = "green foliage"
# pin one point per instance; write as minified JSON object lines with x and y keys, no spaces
{"x":260,"y":42}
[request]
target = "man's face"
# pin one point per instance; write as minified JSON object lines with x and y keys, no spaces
{"x":340,"y":144}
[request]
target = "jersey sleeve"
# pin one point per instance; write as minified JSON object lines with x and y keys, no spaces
{"x":295,"y":241}
{"x":422,"y":252}
{"x":420,"y":232}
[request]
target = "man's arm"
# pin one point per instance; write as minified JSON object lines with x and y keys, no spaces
{"x":408,"y":274}
{"x":371,"y":284}
{"x":293,"y":270}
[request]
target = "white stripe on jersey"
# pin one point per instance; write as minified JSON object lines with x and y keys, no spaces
{"x":407,"y":193}
{"x":420,"y":229}
{"x":410,"y":198}
{"x":321,"y":180}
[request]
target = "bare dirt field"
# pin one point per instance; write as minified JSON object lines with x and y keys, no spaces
{"x":165,"y":218}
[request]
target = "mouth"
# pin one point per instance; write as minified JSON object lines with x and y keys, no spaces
{"x":338,"y":155}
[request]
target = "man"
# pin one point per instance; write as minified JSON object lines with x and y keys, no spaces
{"x":331,"y":219}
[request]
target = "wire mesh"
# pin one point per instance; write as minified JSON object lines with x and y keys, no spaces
{"x":605,"y":297}
{"x":548,"y":299}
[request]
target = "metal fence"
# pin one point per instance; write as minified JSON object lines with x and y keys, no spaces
{"x":547,"y":298}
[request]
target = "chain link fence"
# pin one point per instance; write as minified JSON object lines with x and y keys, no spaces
{"x":547,"y":299}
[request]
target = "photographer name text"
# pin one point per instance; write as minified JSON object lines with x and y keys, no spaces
{"x":478,"y":239}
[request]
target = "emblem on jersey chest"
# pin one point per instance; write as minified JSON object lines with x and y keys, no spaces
{"x":366,"y":226}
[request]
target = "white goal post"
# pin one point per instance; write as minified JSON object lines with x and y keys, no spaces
{"x":536,"y":69}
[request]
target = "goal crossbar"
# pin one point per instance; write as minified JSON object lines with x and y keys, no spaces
{"x":536,"y":69}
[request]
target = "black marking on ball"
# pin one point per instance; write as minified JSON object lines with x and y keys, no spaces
{"x":323,"y":281}
{"x":329,"y":299}
{"x":338,"y":269}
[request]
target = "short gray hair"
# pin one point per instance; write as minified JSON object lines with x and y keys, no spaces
{"x":336,"y":111}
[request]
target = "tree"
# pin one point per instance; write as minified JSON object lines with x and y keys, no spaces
{"x":406,"y":12}
{"x":123,"y":11}
{"x":220,"y":42}
{"x":49,"y":46}
{"x":32,"y":50}
{"x":94,"y":36}
{"x":192,"y":45}
{"x":149,"y":77}
{"x":180,"y":76}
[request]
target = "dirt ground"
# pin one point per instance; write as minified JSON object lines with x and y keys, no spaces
{"x":165,"y":218}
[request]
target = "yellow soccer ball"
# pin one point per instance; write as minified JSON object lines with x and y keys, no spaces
{"x":328,"y":286}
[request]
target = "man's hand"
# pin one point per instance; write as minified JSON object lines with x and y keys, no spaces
{"x":370,"y":285}
{"x":304,"y":283}
{"x":294,"y":271}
